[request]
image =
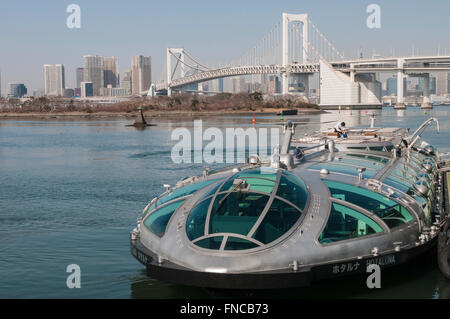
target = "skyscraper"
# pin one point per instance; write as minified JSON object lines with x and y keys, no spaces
{"x":141,"y":71}
{"x":126,"y":82}
{"x":94,"y":72}
{"x":110,"y":69}
{"x":80,"y":77}
{"x":54,"y":79}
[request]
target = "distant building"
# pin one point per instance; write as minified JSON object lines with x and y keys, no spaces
{"x":54,"y":79}
{"x":69,"y":92}
{"x":126,"y":82}
{"x":38,"y":92}
{"x":110,"y":71}
{"x":274,"y":85}
{"x":87,"y":89}
{"x":216,"y":85}
{"x":432,"y":85}
{"x":391,"y":86}
{"x":238,"y":85}
{"x":111,"y":91}
{"x":77,"y":91}
{"x":141,"y":71}
{"x":442,"y":83}
{"x":16,"y":90}
{"x":80,"y":77}
{"x":93,"y":72}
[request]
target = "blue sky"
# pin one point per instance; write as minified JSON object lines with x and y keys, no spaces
{"x":34,"y":33}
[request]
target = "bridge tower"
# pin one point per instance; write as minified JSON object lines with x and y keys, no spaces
{"x":287,"y":17}
{"x":170,"y":73}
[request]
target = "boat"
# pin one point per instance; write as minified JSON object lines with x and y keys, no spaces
{"x":308,"y":212}
{"x":288,"y":112}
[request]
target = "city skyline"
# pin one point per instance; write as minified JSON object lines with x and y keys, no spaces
{"x":148,"y":28}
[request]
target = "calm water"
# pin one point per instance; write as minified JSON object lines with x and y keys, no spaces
{"x":70,"y":192}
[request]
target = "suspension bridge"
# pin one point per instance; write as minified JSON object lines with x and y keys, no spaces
{"x":295,"y":46}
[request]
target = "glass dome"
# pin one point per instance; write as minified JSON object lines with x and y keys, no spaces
{"x":250,"y":209}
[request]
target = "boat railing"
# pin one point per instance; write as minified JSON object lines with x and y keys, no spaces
{"x":416,"y":135}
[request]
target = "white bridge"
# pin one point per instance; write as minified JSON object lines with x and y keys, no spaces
{"x":296,"y":46}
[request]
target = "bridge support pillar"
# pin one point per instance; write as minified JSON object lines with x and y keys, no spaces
{"x":426,"y":104}
{"x":400,"y":85}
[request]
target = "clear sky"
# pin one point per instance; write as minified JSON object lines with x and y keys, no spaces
{"x":34,"y":33}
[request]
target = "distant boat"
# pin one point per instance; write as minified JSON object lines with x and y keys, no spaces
{"x":288,"y":112}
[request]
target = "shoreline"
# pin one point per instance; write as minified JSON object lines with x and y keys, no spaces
{"x":148,"y":114}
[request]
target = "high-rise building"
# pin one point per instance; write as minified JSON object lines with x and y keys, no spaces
{"x":442,"y":83}
{"x":80,"y":77}
{"x":238,"y":84}
{"x":93,"y":72}
{"x":391,"y":86}
{"x":87,"y":89}
{"x":274,"y":85}
{"x":16,"y":90}
{"x":126,"y":82}
{"x":54,"y":79}
{"x":110,"y":71}
{"x":217,"y":85}
{"x":141,"y":71}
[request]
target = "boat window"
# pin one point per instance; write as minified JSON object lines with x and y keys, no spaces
{"x":237,"y":207}
{"x":399,"y":184}
{"x":235,"y":243}
{"x":236,"y":212}
{"x":359,"y":162}
{"x":180,"y":192}
{"x":195,"y":224}
{"x":210,"y":242}
{"x":158,"y":220}
{"x":279,"y":219}
{"x":370,"y":157}
{"x":377,"y":148}
{"x":345,"y":223}
{"x":357,"y":147}
{"x":392,"y":213}
{"x":402,"y":174}
{"x":349,"y":170}
{"x":293,"y":191}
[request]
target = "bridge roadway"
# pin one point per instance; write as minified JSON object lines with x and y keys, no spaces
{"x":411,"y":65}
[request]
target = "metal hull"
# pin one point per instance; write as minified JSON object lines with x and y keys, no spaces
{"x":287,"y":278}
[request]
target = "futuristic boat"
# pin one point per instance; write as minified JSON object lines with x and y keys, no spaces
{"x":308,"y":212}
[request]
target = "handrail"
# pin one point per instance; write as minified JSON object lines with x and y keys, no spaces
{"x":420,"y":130}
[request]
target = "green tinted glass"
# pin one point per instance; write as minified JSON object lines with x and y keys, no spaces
{"x":349,"y":170}
{"x":236,"y":212}
{"x":279,"y":219}
{"x":235,"y":243}
{"x":345,"y":223}
{"x":292,"y":191}
{"x":157,"y":221}
{"x":370,"y":157}
{"x":390,"y":211}
{"x":180,"y":192}
{"x":195,"y":224}
{"x":210,"y":243}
